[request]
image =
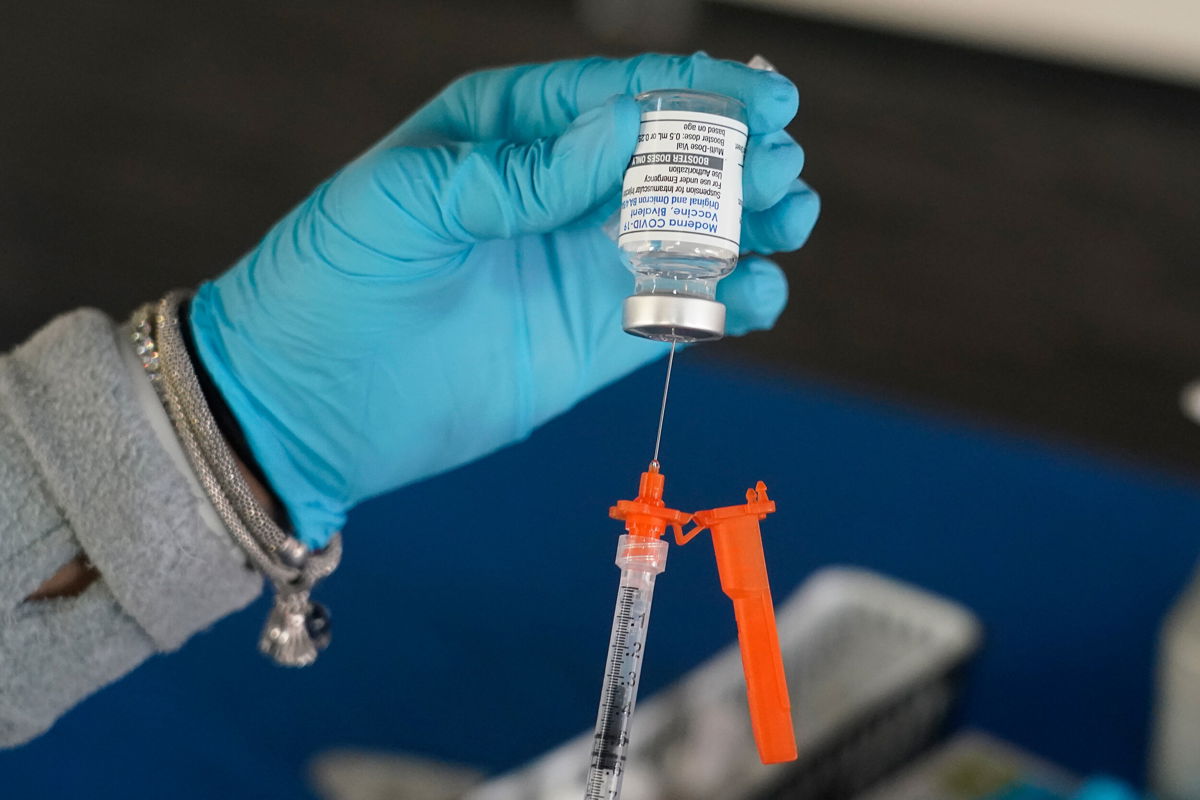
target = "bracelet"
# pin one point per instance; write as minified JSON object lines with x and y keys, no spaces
{"x":297,"y":628}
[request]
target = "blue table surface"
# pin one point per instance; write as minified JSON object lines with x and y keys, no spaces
{"x":471,"y":612}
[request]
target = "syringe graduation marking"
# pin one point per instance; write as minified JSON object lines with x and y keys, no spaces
{"x":608,"y":751}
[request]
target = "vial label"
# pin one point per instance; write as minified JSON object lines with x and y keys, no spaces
{"x":684,"y":181}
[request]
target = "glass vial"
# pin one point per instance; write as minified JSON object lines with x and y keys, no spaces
{"x":681,"y":213}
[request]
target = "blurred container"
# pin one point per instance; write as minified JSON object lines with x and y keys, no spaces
{"x":1175,"y":750}
{"x":873,"y":667}
{"x":641,"y":24}
{"x":976,"y":766}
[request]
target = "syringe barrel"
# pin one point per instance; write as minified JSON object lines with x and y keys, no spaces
{"x":641,"y":559}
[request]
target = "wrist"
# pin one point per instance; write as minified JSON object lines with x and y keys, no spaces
{"x":228,"y":425}
{"x":71,"y":580}
{"x":262,"y":493}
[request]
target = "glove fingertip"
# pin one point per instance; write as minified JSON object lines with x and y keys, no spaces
{"x":627,"y":118}
{"x":780,"y":101}
{"x":754,"y":295}
{"x":772,"y":162}
{"x":803,"y":209}
{"x":771,"y":98}
{"x":615,"y":116}
{"x":598,"y":145}
{"x":625,"y":121}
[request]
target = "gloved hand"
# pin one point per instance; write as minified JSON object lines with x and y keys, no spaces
{"x":451,"y":289}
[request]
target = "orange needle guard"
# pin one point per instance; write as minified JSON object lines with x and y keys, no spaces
{"x":737,"y":542}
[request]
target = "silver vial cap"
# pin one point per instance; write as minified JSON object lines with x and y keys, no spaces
{"x":674,"y":318}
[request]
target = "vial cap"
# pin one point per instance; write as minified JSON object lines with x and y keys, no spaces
{"x":674,"y":318}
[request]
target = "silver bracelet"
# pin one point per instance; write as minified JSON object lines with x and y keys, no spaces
{"x":297,"y":628}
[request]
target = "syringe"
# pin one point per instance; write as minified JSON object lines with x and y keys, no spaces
{"x":641,"y":555}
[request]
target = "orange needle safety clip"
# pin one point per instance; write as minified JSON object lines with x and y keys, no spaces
{"x":737,"y":542}
{"x":742,"y":566}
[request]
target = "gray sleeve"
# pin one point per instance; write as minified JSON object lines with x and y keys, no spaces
{"x":89,"y":464}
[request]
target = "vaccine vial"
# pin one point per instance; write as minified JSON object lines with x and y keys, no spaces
{"x":681,"y":213}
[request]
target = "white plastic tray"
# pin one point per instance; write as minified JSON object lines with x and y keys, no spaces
{"x":870,"y":664}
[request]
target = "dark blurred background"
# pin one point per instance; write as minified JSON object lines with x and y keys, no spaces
{"x":975,"y":386}
{"x":1001,"y":237}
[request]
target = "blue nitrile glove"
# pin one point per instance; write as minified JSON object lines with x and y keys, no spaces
{"x":1097,"y":787}
{"x":1101,"y":787}
{"x":451,"y":289}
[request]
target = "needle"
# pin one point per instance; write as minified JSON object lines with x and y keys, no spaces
{"x":662,"y":412}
